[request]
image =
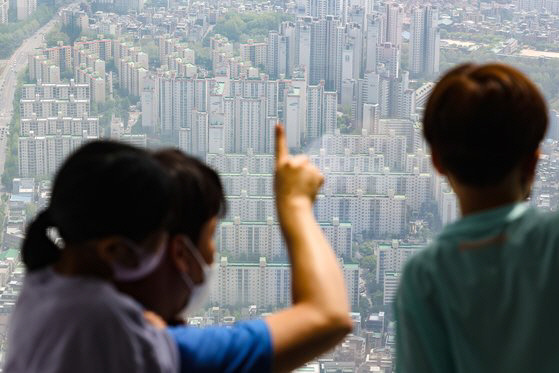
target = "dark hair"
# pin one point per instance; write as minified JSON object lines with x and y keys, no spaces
{"x":104,"y":188}
{"x":483,"y":121}
{"x":198,"y":195}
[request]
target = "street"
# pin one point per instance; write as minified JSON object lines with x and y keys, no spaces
{"x":8,"y":80}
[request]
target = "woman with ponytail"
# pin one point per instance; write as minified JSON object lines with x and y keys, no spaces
{"x":318,"y":318}
{"x":106,"y":222}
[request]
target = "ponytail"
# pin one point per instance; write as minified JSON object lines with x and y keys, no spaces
{"x":103,"y":189}
{"x":38,"y":251}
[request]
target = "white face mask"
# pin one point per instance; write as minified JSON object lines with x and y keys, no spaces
{"x":147,"y":263}
{"x":198,"y":292}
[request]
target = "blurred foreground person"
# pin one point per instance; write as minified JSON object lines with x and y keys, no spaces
{"x":483,"y":297}
{"x":110,"y":206}
{"x":319,"y":316}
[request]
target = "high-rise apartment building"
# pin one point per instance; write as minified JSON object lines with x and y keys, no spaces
{"x":129,"y":5}
{"x":199,"y":133}
{"x":45,"y":108}
{"x":424,"y":41}
{"x":288,"y":46}
{"x":392,"y":257}
{"x":354,"y":42}
{"x":394,"y":16}
{"x":274,"y":55}
{"x":4,"y":8}
{"x":392,"y":146}
{"x":402,"y":98}
{"x":390,"y":287}
{"x":415,"y":185}
{"x":388,"y":55}
{"x":178,"y":98}
{"x":323,"y":8}
{"x":326,"y":52}
{"x":43,"y":70}
{"x":255,"y":53}
{"x":321,"y":112}
{"x":60,"y":56}
{"x":374,"y":35}
{"x":25,"y":8}
{"x":150,"y":103}
{"x":263,"y":238}
{"x":246,"y":125}
{"x":54,"y":121}
{"x":40,"y":156}
{"x":59,"y":91}
{"x":303,"y":31}
{"x":265,"y":284}
{"x":59,"y":124}
{"x":293,"y":112}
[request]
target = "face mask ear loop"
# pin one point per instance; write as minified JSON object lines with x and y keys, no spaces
{"x":196,"y":254}
{"x":145,"y":268}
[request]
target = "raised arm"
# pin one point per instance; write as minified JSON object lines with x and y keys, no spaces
{"x":319,"y":317}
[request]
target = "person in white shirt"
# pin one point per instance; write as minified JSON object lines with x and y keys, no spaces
{"x":109,"y":207}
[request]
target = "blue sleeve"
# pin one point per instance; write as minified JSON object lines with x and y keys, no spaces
{"x":244,"y":347}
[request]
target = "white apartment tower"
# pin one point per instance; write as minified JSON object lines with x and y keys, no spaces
{"x":40,"y":156}
{"x":265,"y":284}
{"x":389,"y":55}
{"x":394,"y":16}
{"x":293,"y":108}
{"x":326,"y":52}
{"x":150,"y":104}
{"x":273,"y":55}
{"x":424,"y":41}
{"x":374,"y":35}
{"x":323,"y":8}
{"x":321,"y":112}
{"x":246,"y":125}
{"x":4,"y":7}
{"x":354,"y":37}
{"x":303,"y":42}
{"x":25,"y":8}
{"x":178,"y":97}
{"x":256,"y":53}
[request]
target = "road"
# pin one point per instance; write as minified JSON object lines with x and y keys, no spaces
{"x":8,"y":80}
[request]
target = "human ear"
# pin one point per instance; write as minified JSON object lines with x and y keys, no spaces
{"x":533,"y":162}
{"x":528,"y":171}
{"x":113,"y":250}
{"x":177,"y":252}
{"x":437,"y":164}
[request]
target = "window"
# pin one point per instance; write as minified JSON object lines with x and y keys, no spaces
{"x":349,"y":80}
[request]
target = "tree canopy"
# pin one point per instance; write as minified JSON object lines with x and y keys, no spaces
{"x":12,"y":35}
{"x":239,"y":27}
{"x":543,"y":71}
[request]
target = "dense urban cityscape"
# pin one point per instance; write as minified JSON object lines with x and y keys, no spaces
{"x":349,"y":79}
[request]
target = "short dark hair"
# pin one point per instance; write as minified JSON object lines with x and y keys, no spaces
{"x":483,"y":121}
{"x":198,"y":194}
{"x":104,"y":188}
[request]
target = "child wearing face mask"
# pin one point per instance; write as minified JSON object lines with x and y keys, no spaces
{"x":319,"y":316}
{"x":109,"y":208}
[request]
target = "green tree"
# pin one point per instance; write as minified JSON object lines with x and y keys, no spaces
{"x":368,"y":262}
{"x":11,"y":168}
{"x":54,"y":36}
{"x":378,"y":301}
{"x":365,"y":307}
{"x":202,"y":56}
{"x":543,"y":71}
{"x":13,"y":34}
{"x":239,"y":27}
{"x":149,"y":47}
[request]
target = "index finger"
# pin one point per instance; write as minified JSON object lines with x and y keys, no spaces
{"x":282,"y":153}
